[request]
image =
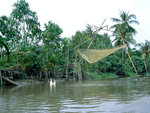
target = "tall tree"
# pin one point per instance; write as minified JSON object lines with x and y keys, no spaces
{"x":7,"y":33}
{"x":51,"y":39}
{"x":26,"y":23}
{"x":123,"y":31}
{"x":123,"y":28}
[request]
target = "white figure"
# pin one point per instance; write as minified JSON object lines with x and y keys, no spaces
{"x":52,"y":83}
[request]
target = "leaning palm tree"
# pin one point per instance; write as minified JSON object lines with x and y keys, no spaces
{"x":124,"y":32}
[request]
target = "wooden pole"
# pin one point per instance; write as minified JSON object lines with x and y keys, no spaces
{"x":129,"y":55}
{"x":75,"y":67}
{"x":1,"y":79}
{"x":75,"y":73}
{"x":67,"y":64}
{"x":145,"y":67}
{"x":98,"y":30}
{"x":79,"y":71}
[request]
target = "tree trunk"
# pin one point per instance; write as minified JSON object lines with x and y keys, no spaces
{"x":10,"y":81}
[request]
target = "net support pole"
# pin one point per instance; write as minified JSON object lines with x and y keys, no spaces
{"x":67,"y":64}
{"x":129,"y":56}
{"x":98,"y":30}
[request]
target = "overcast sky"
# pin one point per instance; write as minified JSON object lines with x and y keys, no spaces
{"x":73,"y":15}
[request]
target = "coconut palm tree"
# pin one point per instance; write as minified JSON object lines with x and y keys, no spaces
{"x":145,"y":49}
{"x":123,"y":25}
{"x":123,"y":31}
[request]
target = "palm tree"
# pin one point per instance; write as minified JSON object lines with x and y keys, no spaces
{"x":124,"y":32}
{"x":145,"y":49}
{"x":126,"y":19}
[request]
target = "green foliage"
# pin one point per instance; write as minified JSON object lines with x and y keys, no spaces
{"x":148,"y":65}
{"x":99,"y":76}
{"x":145,"y":49}
{"x":35,"y":50}
{"x":30,"y":62}
{"x":6,"y":34}
{"x":131,"y":74}
{"x":123,"y":31}
{"x":51,"y":37}
{"x":26,"y":24}
{"x":111,"y":64}
{"x":138,"y":62}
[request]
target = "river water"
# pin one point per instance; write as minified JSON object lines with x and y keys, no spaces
{"x":122,"y":95}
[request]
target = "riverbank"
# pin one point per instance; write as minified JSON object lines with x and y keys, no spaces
{"x":14,"y":76}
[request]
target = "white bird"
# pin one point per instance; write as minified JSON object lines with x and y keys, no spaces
{"x":52,"y":83}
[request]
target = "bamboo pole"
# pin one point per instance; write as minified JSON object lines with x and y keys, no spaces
{"x":79,"y":71}
{"x":129,"y":55}
{"x":67,"y":63}
{"x":75,"y":66}
{"x":98,"y":30}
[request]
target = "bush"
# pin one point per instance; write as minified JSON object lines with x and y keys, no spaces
{"x":138,"y":62}
{"x":98,"y":76}
{"x":111,"y":64}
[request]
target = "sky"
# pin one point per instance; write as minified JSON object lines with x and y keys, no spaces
{"x":74,"y":15}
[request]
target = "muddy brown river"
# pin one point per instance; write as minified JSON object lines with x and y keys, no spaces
{"x":122,"y":95}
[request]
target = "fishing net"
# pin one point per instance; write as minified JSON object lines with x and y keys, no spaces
{"x":93,"y":55}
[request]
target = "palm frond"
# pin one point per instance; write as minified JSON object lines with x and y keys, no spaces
{"x":123,"y":16}
{"x":132,"y":16}
{"x":116,"y":20}
{"x":134,"y":22}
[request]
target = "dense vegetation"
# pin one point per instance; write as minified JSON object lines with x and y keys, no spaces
{"x":28,"y":51}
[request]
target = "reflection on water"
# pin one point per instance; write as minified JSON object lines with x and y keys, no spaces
{"x":121,"y":95}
